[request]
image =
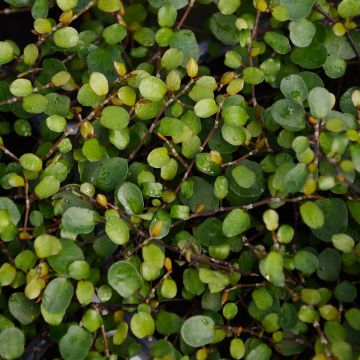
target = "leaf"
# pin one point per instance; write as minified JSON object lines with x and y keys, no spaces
{"x":114,"y":117}
{"x":168,"y":323}
{"x":92,"y":150}
{"x":260,"y":352}
{"x":320,"y":102}
{"x":124,"y":278}
{"x":57,"y":295}
{"x":353,"y":318}
{"x":329,"y":265}
{"x":272,"y":268}
{"x":310,"y":57}
{"x":47,"y":187}
{"x":312,"y":215}
{"x":178,"y":4}
{"x":306,"y":262}
{"x":12,"y":343}
{"x":209,"y":233}
{"x":152,"y":88}
{"x":298,"y":9}
{"x":130,"y":197}
{"x":294,"y":88}
{"x":243,"y":176}
{"x":295,"y":179}
{"x":9,"y":205}
{"x":75,"y":344}
{"x":349,"y":8}
{"x":66,"y":37}
{"x":111,"y":173}
{"x":302,"y":32}
{"x":98,"y":83}
{"x":185,"y":41}
{"x":280,"y":43}
{"x":22,"y":309}
{"x":205,"y":108}
{"x":79,"y":220}
{"x":117,"y":230}
{"x":198,"y":331}
{"x":253,"y":75}
{"x":224,"y":29}
{"x":235,"y":223}
{"x":288,"y":114}
{"x":202,"y":195}
{"x":160,"y":225}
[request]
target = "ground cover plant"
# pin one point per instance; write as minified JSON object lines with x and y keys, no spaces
{"x":179,"y":177}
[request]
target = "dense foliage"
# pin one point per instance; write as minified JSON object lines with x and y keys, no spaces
{"x":180,"y":176}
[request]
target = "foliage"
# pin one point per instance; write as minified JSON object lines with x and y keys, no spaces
{"x":195,"y":184}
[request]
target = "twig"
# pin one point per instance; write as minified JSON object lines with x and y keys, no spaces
{"x":251,"y":153}
{"x":9,"y":153}
{"x":185,"y":15}
{"x":8,"y":11}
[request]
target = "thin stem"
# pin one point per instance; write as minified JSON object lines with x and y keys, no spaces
{"x":153,"y":289}
{"x":8,"y":153}
{"x":251,"y":153}
{"x":185,"y":15}
{"x":9,"y":11}
{"x":27,"y":202}
{"x":173,"y":150}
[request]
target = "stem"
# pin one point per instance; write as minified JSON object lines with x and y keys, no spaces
{"x":185,"y":15}
{"x":9,"y":153}
{"x":9,"y":11}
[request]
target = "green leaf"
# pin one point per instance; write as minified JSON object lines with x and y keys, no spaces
{"x":298,"y":9}
{"x":198,"y":331}
{"x":185,"y":41}
{"x":224,"y":29}
{"x":9,"y":205}
{"x":210,"y":233}
{"x":114,"y":117}
{"x":205,"y":108}
{"x":111,"y":173}
{"x":306,"y":262}
{"x":75,"y":344}
{"x":79,"y":221}
{"x":253,"y":75}
{"x":130,"y":197}
{"x":243,"y":176}
{"x":310,"y":57}
{"x":272,"y":268}
{"x":289,"y":114}
{"x":349,"y":8}
{"x":260,"y":352}
{"x":30,"y":162}
{"x":57,"y":295}
{"x":160,"y":225}
{"x":124,"y":278}
{"x":329,"y":265}
{"x":142,"y":325}
{"x":177,"y":3}
{"x":294,"y":88}
{"x":22,"y":309}
{"x":46,"y":245}
{"x":295,"y":179}
{"x":353,"y":318}
{"x":6,"y":52}
{"x":117,"y":230}
{"x":320,"y":102}
{"x":12,"y":343}
{"x":98,"y":83}
{"x":47,"y":187}
{"x":66,"y":37}
{"x":280,"y":43}
{"x":92,"y":150}
{"x":158,"y":157}
{"x":302,"y":32}
{"x":312,"y":215}
{"x":152,"y":88}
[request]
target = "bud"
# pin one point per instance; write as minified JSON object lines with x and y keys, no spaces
{"x":261,"y":5}
{"x":120,"y":68}
{"x":271,"y":219}
{"x":215,"y":157}
{"x":192,"y":68}
{"x":86,"y":129}
{"x":355,"y":98}
{"x":101,"y":199}
{"x":201,"y":354}
{"x":168,"y":264}
{"x":227,"y":77}
{"x":65,"y":17}
{"x":241,"y":24}
{"x":339,"y":29}
{"x":173,"y":80}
